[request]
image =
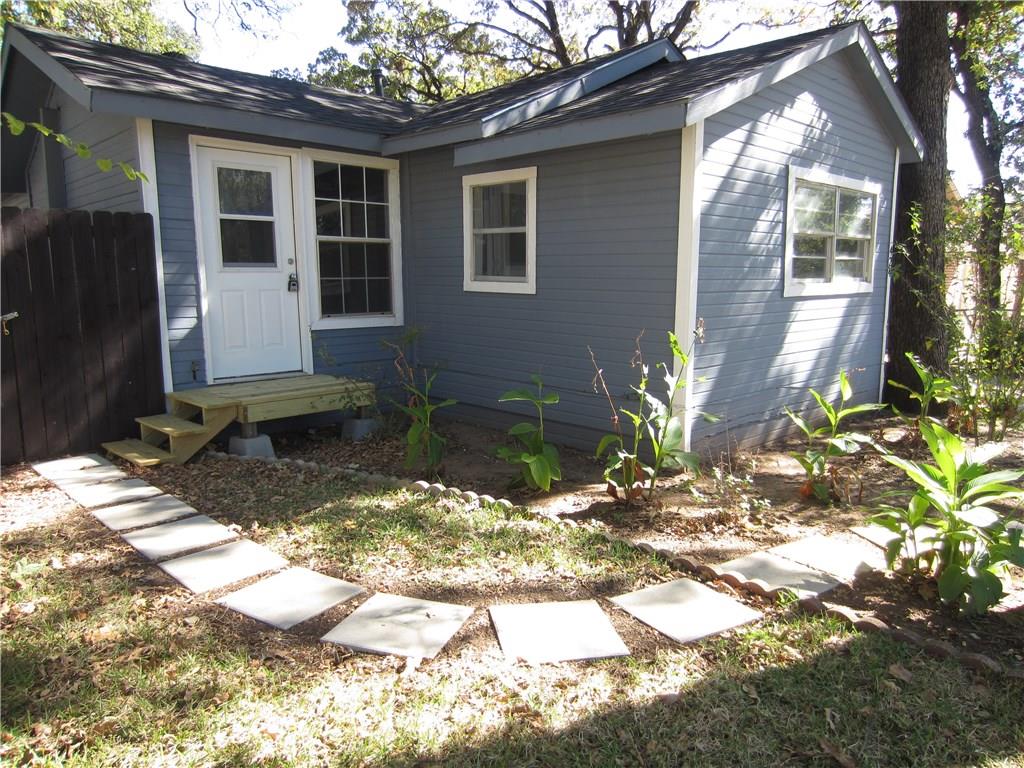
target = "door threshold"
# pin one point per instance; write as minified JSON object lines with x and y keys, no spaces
{"x":260,"y":377}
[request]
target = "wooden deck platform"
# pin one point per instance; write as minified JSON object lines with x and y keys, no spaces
{"x":199,"y":415}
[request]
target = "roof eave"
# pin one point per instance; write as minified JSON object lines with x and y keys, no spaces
{"x":49,"y":66}
{"x":223,"y":118}
{"x":904,"y":131}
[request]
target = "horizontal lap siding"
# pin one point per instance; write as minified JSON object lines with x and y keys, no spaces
{"x":351,"y":352}
{"x":606,"y":265}
{"x":108,"y":136}
{"x":763,"y":351}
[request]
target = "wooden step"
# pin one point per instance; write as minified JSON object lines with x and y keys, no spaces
{"x":171,"y":425}
{"x":139,"y":453}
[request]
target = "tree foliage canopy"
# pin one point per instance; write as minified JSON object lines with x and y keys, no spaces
{"x":431,"y":53}
{"x":133,"y":23}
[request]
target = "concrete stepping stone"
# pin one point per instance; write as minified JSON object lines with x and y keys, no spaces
{"x":162,"y":541}
{"x":87,"y":475}
{"x":779,"y":573}
{"x":223,"y":565}
{"x":552,"y":632}
{"x":686,"y":610}
{"x":136,"y":514}
{"x":843,"y":557}
{"x":402,"y":626}
{"x":290,"y":597}
{"x":115,"y":492}
{"x":53,"y":470}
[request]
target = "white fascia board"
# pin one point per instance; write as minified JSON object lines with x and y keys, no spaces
{"x":665,"y":117}
{"x":908,"y":137}
{"x":49,"y":66}
{"x":396,"y":145}
{"x":587,"y":82}
{"x":207,"y":116}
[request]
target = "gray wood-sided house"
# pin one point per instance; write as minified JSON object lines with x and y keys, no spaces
{"x":298,"y":227}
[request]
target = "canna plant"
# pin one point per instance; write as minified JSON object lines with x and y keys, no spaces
{"x":823,"y":480}
{"x":538,"y":461}
{"x":422,"y":441}
{"x":949,"y":525}
{"x":654,"y":421}
{"x":934,"y":389}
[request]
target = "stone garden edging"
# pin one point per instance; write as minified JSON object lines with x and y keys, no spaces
{"x":811,"y":605}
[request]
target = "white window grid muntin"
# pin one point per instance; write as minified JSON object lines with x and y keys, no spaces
{"x":831,"y":236}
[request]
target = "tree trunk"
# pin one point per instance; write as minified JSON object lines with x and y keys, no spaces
{"x":917,"y":310}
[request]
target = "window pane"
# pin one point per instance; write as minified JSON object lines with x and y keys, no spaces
{"x":814,"y":208}
{"x":325,"y":180}
{"x":352,"y":183}
{"x":379,"y":293}
{"x":354,"y":259}
{"x":376,"y":221}
{"x":355,"y":296}
{"x":328,"y":218}
{"x":378,"y":260}
{"x":851,"y":249}
{"x":244,"y":242}
{"x":330,"y":260}
{"x":331,"y":302}
{"x":500,"y":254}
{"x":810,"y":245}
{"x":248,"y":193}
{"x":376,"y":185}
{"x":809,"y":269}
{"x":855,"y":211}
{"x":499,"y":205}
{"x":848,"y":268}
{"x":354,"y":217}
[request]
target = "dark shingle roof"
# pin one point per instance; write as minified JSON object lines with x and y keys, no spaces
{"x":116,"y":68}
{"x":666,"y":82}
{"x":478,"y":105}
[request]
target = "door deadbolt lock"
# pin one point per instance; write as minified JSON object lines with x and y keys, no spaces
{"x":293,"y":282}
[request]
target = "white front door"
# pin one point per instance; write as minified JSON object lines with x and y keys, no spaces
{"x":248,"y":240}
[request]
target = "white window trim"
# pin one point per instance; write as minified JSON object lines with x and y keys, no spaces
{"x":795,"y":287}
{"x":312,"y":270}
{"x":469,"y":283}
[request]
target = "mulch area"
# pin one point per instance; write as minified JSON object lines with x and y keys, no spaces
{"x":714,"y":519}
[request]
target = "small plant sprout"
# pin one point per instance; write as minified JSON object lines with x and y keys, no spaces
{"x":537,"y":460}
{"x":823,"y":480}
{"x":934,"y":389}
{"x":949,"y":521}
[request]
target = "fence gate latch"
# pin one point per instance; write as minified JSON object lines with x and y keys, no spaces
{"x":5,"y":318}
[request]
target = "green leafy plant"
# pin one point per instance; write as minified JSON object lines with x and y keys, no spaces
{"x":653,"y":421}
{"x":949,"y":523}
{"x":538,"y":461}
{"x":824,"y":481}
{"x":934,"y":389}
{"x":422,"y":441}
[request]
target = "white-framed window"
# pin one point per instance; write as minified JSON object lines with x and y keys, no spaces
{"x":354,"y":231}
{"x":499,"y":224}
{"x":830,"y":233}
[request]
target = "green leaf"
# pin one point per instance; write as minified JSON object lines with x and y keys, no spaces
{"x":128,"y":171}
{"x":710,"y":418}
{"x":515,"y":395}
{"x":14,"y":125}
{"x":551,"y":398}
{"x":60,"y":138}
{"x":672,"y":436}
{"x":105,"y":164}
{"x":522,"y":428}
{"x":606,"y":442}
{"x":415,"y":433}
{"x":540,"y":472}
{"x":952,"y":583}
{"x":997,"y":480}
{"x":41,"y":128}
{"x":986,"y":590}
{"x":555,"y":465}
{"x":845,"y":390}
{"x":861,"y":408}
{"x":979,"y":517}
{"x":83,"y":151}
{"x":537,"y":380}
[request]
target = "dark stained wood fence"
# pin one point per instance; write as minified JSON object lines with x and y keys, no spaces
{"x":82,"y":359}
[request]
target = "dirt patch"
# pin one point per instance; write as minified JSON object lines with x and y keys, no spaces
{"x":27,"y":500}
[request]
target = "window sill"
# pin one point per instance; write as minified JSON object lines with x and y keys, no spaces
{"x":497,"y":286}
{"x":362,"y":321}
{"x":797,"y":289}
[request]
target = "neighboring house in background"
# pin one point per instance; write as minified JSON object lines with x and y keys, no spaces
{"x":298,"y":226}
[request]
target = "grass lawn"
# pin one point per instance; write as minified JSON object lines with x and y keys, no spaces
{"x":108,"y":662}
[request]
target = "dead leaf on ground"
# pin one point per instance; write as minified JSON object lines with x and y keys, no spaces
{"x":900,"y":672}
{"x":751,"y":691}
{"x":837,"y":754}
{"x":832,"y":718}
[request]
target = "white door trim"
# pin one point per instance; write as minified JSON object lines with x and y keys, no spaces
{"x":301,"y":251}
